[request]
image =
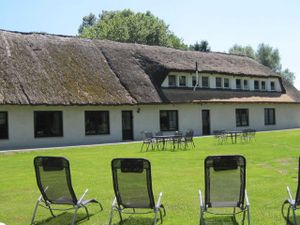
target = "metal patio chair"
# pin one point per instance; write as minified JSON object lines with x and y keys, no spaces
{"x":225,"y":183}
{"x":54,"y":182}
{"x":293,"y":203}
{"x":189,"y":138}
{"x":147,"y":140}
{"x":133,"y":188}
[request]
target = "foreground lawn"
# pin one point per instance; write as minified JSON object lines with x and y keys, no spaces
{"x":272,"y":162}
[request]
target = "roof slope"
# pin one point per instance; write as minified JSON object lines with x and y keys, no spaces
{"x":55,"y":70}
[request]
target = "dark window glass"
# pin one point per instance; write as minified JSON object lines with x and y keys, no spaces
{"x":256,"y":85}
{"x":246,"y":84}
{"x":238,"y":84}
{"x":218,"y":82}
{"x":48,"y":124}
{"x":205,"y":82}
{"x":3,"y":125}
{"x":272,"y":86}
{"x":194,"y":80}
{"x":96,"y":122}
{"x":172,"y":80}
{"x":168,"y":120}
{"x":242,"y":117}
{"x":182,"y":81}
{"x":270,"y":116}
{"x":226,"y":83}
{"x":263,"y":85}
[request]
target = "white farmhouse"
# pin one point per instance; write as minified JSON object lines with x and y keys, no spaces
{"x":57,"y":90}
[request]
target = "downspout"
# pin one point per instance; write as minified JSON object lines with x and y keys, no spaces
{"x":197,"y":78}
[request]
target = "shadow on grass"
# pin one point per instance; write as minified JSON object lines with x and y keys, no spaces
{"x":222,"y":220}
{"x":64,"y":219}
{"x":136,"y":221}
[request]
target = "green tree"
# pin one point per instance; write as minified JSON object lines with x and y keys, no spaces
{"x":288,"y":75}
{"x":128,"y":26}
{"x":203,"y":46}
{"x":269,"y":57}
{"x":242,"y":50}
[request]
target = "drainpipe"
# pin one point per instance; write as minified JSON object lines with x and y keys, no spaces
{"x":197,"y":78}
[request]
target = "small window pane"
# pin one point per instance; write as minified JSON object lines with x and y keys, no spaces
{"x":246,"y":86}
{"x":256,"y":85}
{"x":3,"y":125}
{"x":205,"y":82}
{"x":182,"y":81}
{"x":218,"y":82}
{"x":242,"y":117}
{"x":172,"y":80}
{"x":272,"y":86}
{"x":96,"y":122}
{"x":226,"y":83}
{"x":270,"y":116}
{"x":238,"y":83}
{"x":194,"y":80}
{"x":48,"y":124}
{"x":263,"y":85}
{"x":168,"y":120}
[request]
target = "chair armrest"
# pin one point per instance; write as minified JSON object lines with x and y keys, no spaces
{"x":159,"y":200}
{"x":200,"y":199}
{"x":247,"y":199}
{"x":82,"y":196}
{"x":290,"y":194}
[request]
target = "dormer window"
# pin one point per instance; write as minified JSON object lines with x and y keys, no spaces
{"x":272,"y":84}
{"x":238,"y":84}
{"x":182,"y":81}
{"x":263,"y":85}
{"x":218,"y":82}
{"x":256,"y":85}
{"x":246,"y":85}
{"x":205,"y":82}
{"x":226,"y":83}
{"x":172,"y":81}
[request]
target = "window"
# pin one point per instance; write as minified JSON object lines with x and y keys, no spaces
{"x":272,"y":84}
{"x":3,"y":125}
{"x":48,"y":124}
{"x":194,"y":80}
{"x":270,"y":116}
{"x":182,"y":81}
{"x":168,"y":120}
{"x":218,"y":82}
{"x":205,"y":82}
{"x":242,"y":117}
{"x":172,"y":80}
{"x":238,"y":84}
{"x":96,"y":122}
{"x":263,"y":85}
{"x":226,"y":83}
{"x":256,"y":85}
{"x":246,"y":86}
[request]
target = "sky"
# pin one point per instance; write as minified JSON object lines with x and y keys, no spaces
{"x":222,"y":23}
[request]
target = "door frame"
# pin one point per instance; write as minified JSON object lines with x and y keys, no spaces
{"x":131,"y":123}
{"x":209,"y":125}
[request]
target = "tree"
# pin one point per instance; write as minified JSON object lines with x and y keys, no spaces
{"x":288,"y":75}
{"x":128,"y":26}
{"x":242,"y":50}
{"x":203,"y":46}
{"x":269,"y":57}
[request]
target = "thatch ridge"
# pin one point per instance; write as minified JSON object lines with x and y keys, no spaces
{"x":47,"y":69}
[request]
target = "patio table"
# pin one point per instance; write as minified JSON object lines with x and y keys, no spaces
{"x":165,"y":138}
{"x":233,"y":134}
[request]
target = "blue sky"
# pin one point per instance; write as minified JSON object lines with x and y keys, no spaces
{"x":222,"y":23}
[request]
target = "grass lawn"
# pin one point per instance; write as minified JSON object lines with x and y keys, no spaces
{"x":272,"y":162}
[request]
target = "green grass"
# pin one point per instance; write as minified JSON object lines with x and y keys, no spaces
{"x":272,"y":162}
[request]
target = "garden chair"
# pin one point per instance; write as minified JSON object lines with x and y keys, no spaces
{"x":293,"y":203}
{"x":54,"y":182}
{"x":225,"y":182}
{"x":147,"y":140}
{"x":220,"y":136}
{"x":188,"y":138}
{"x":133,"y":189}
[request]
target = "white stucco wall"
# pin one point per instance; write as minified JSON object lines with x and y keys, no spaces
{"x":222,"y":116}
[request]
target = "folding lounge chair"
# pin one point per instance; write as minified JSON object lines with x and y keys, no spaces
{"x":225,"y":182}
{"x":133,"y":189}
{"x":54,"y":182}
{"x":293,"y":204}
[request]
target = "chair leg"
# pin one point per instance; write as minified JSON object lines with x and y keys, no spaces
{"x":248,"y":215}
{"x":35,"y":209}
{"x":51,"y":211}
{"x":74,"y":216}
{"x":155,"y":217}
{"x":201,"y":217}
{"x":294,"y":216}
{"x":111,"y":215}
{"x":87,"y":212}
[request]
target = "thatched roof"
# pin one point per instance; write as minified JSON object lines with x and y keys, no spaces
{"x":43,"y":69}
